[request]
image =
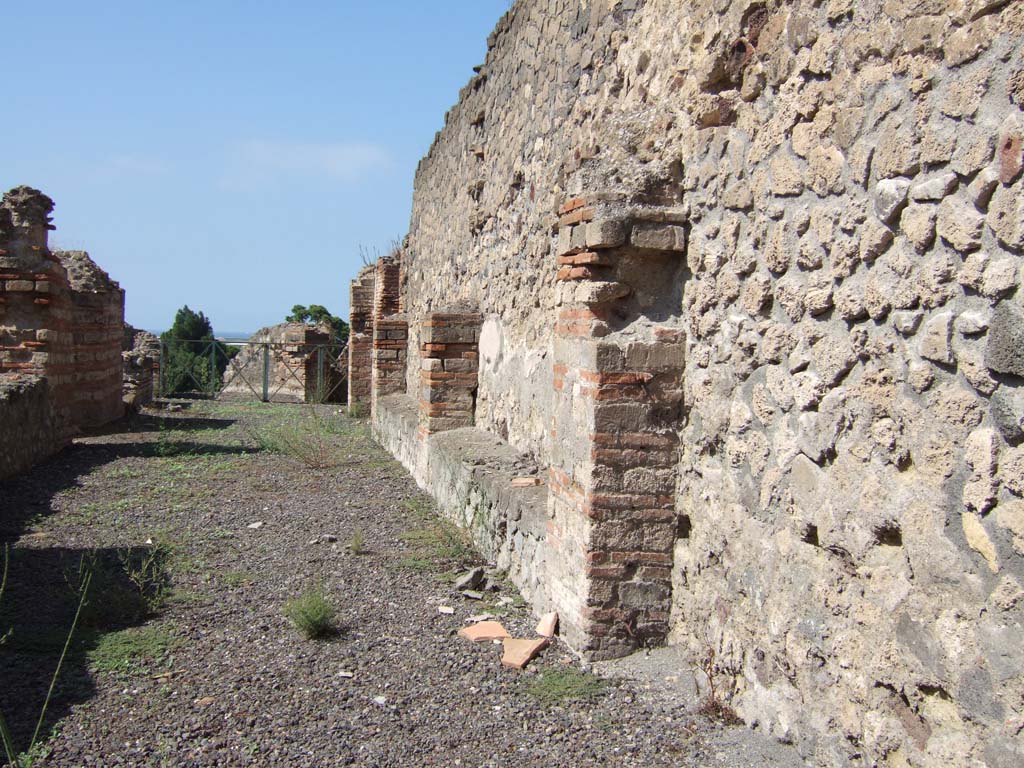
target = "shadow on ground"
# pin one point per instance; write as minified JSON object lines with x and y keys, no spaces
{"x":37,"y":612}
{"x":41,"y":596}
{"x":30,"y":495}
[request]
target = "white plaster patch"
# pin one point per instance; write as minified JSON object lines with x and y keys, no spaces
{"x":491,"y":343}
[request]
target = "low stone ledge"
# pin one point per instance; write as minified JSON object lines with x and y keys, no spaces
{"x":395,"y":424}
{"x":469,"y":473}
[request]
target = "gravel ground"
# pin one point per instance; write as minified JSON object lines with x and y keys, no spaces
{"x":219,"y":676}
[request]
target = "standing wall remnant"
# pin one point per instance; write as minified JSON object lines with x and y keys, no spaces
{"x":448,"y":370}
{"x":35,"y":304}
{"x":140,"y":358}
{"x":286,"y":363}
{"x":390,"y":331}
{"x":360,"y":339}
{"x":97,"y":337}
{"x":61,"y":329}
{"x":749,"y":279}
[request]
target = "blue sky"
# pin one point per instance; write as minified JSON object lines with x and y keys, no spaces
{"x":233,"y":156}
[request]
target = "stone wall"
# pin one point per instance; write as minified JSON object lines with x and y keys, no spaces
{"x":97,"y":336}
{"x":287,"y":363}
{"x":140,"y":367}
{"x":28,"y":430}
{"x":748,"y":279}
{"x":35,"y":301}
{"x":360,"y":339}
{"x":61,"y":329}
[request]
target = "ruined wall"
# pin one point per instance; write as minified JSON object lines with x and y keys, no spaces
{"x":286,"y":363}
{"x":97,"y":336}
{"x":360,"y":339}
{"x":140,"y":367}
{"x":35,"y":300}
{"x":61,"y":329}
{"x":749,"y":283}
{"x":28,"y":430}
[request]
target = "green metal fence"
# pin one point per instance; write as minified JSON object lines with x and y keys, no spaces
{"x":263,"y":370}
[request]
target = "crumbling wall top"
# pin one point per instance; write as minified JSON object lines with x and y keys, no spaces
{"x":27,"y":207}
{"x":84,"y":274}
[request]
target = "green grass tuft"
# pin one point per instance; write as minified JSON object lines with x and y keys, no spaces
{"x":132,"y":649}
{"x":435,"y":544}
{"x":357,"y":544}
{"x":553,"y":686}
{"x":312,"y":614}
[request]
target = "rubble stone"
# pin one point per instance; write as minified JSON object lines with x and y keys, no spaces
{"x":755,"y":424}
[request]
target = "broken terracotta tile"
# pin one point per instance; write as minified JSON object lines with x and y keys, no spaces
{"x":485,"y":630}
{"x":525,"y":482}
{"x":520,"y":652}
{"x":548,"y":624}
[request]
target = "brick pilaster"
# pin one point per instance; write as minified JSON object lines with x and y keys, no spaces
{"x":390,"y":342}
{"x":449,"y":357}
{"x":360,"y":339}
{"x":614,"y":436}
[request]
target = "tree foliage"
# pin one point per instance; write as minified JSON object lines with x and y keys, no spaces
{"x":188,"y":349}
{"x":316,"y":314}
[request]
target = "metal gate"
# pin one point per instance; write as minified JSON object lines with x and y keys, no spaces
{"x":264,"y":370}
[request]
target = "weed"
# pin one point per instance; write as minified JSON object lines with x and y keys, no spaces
{"x":357,"y":411}
{"x":129,"y":584}
{"x":356,"y":543}
{"x":435,"y":544}
{"x":712,"y":706}
{"x":554,"y":686}
{"x":124,"y":473}
{"x":237,"y":578}
{"x":306,"y":439}
{"x":84,"y":513}
{"x":166,"y":447}
{"x":130,"y":649}
{"x":312,"y":614}
{"x":37,"y":750}
{"x":147,"y":568}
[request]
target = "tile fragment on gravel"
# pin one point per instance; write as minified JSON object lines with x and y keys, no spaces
{"x":548,"y":624}
{"x":520,"y":651}
{"x":485,"y":630}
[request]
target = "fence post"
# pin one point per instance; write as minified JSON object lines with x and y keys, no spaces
{"x":213,"y":368}
{"x":321,"y":395}
{"x":266,"y":373}
{"x":161,"y":382}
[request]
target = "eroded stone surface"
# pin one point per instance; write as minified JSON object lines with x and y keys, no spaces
{"x":812,"y":481}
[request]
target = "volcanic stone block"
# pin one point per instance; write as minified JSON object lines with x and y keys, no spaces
{"x":1004,"y":350}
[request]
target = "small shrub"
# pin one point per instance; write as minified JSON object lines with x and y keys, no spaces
{"x":357,"y":543}
{"x":312,"y":614}
{"x":128,"y":585}
{"x":712,"y":706}
{"x":714,"y":709}
{"x":553,"y":686}
{"x":306,"y":439}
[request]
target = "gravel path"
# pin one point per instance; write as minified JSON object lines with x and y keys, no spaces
{"x":219,"y":676}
